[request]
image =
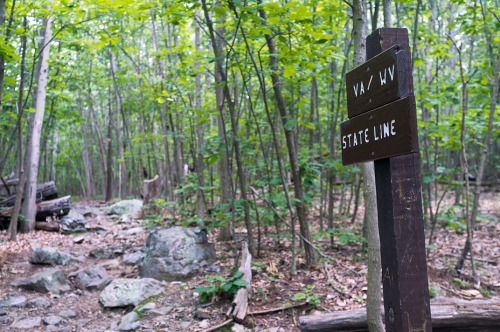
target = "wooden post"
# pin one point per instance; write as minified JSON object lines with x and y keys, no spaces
{"x":404,"y":267}
{"x":382,"y":127}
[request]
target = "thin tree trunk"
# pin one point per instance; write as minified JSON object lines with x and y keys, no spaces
{"x":292,"y":150}
{"x":200,"y":199}
{"x":109,"y":159}
{"x":122,"y":170}
{"x":85,"y":155}
{"x":374,"y":261}
{"x":33,"y":149}
{"x":12,"y":231}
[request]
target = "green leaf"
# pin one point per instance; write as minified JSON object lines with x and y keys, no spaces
{"x":289,"y":71}
{"x":240,"y":283}
{"x":290,"y":124}
{"x":10,"y":80}
{"x":307,"y":125}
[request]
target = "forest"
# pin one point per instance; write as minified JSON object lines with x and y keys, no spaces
{"x":226,"y":115}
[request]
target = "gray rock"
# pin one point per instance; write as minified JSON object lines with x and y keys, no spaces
{"x":129,"y":322}
{"x":125,"y":292}
{"x":100,"y":253}
{"x":184,"y":325}
{"x":74,"y":222}
{"x":52,"y":320}
{"x":132,"y":258}
{"x":51,"y":256}
{"x":162,"y":311}
{"x":6,"y":320}
{"x":65,"y":329}
{"x":131,"y":206}
{"x":176,"y":253}
{"x":93,"y":277}
{"x":67,"y":313}
{"x":213,"y":268}
{"x":38,"y":302}
{"x":3,"y":312}
{"x":27,"y":323}
{"x":51,"y":280}
{"x":14,"y":300}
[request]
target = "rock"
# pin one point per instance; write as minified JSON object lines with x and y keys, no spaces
{"x":65,"y":329}
{"x":52,"y":320}
{"x":51,"y":280}
{"x":100,"y":253}
{"x":93,"y":277}
{"x":51,"y":256}
{"x":239,"y":328}
{"x":125,"y":292}
{"x":27,"y":323}
{"x":184,"y":325}
{"x":38,"y":302}
{"x":14,"y":300}
{"x":202,"y":314}
{"x":162,"y":311}
{"x":129,"y":322}
{"x":3,"y":312}
{"x":132,"y":258}
{"x":274,"y":329}
{"x":5,"y":320}
{"x":204,"y":324}
{"x":176,"y":253}
{"x":213,"y":268}
{"x":78,"y":239}
{"x":74,"y":222}
{"x":111,"y":264}
{"x":67,"y":313}
{"x":131,"y":206}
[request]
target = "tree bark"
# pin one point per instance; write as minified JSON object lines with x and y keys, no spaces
{"x":292,"y":149}
{"x":33,"y":149}
{"x":371,"y":214}
{"x":122,"y":169}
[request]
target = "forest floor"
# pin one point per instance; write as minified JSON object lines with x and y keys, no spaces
{"x":337,"y":283}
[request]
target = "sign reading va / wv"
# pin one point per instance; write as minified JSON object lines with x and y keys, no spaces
{"x":377,"y":82}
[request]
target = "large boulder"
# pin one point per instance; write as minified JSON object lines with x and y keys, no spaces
{"x":74,"y":222}
{"x":129,"y":292}
{"x":176,"y":253}
{"x":129,"y":206}
{"x":51,"y":256}
{"x":51,"y":280}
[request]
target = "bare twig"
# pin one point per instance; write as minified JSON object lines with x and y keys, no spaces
{"x":273,"y":310}
{"x":213,"y":328}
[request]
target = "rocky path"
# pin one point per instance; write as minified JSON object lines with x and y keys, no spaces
{"x":89,"y":281}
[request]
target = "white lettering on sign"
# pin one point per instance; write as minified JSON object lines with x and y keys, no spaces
{"x":359,"y":88}
{"x":380,"y":131}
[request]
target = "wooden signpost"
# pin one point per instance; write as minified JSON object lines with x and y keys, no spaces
{"x":382,"y":127}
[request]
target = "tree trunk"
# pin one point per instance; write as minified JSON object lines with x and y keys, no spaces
{"x":200,"y":199}
{"x":33,"y":149}
{"x":122,"y":170}
{"x":371,"y":214}
{"x":12,"y":231}
{"x":292,"y":149}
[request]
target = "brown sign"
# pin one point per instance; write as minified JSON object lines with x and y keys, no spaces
{"x":377,"y":82}
{"x":387,"y":131}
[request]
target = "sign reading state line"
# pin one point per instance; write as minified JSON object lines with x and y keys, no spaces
{"x":384,"y":132}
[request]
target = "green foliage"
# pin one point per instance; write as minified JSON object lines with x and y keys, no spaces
{"x":313,"y":299}
{"x":453,"y":217}
{"x":221,"y":287}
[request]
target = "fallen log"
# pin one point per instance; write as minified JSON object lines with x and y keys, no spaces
{"x":239,"y":306}
{"x":44,"y":192}
{"x":47,"y":226}
{"x":54,"y":208}
{"x":447,"y":314}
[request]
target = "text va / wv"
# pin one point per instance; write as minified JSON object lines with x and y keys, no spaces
{"x":383,"y":80}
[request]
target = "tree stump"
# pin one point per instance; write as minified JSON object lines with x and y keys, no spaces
{"x":151,"y":191}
